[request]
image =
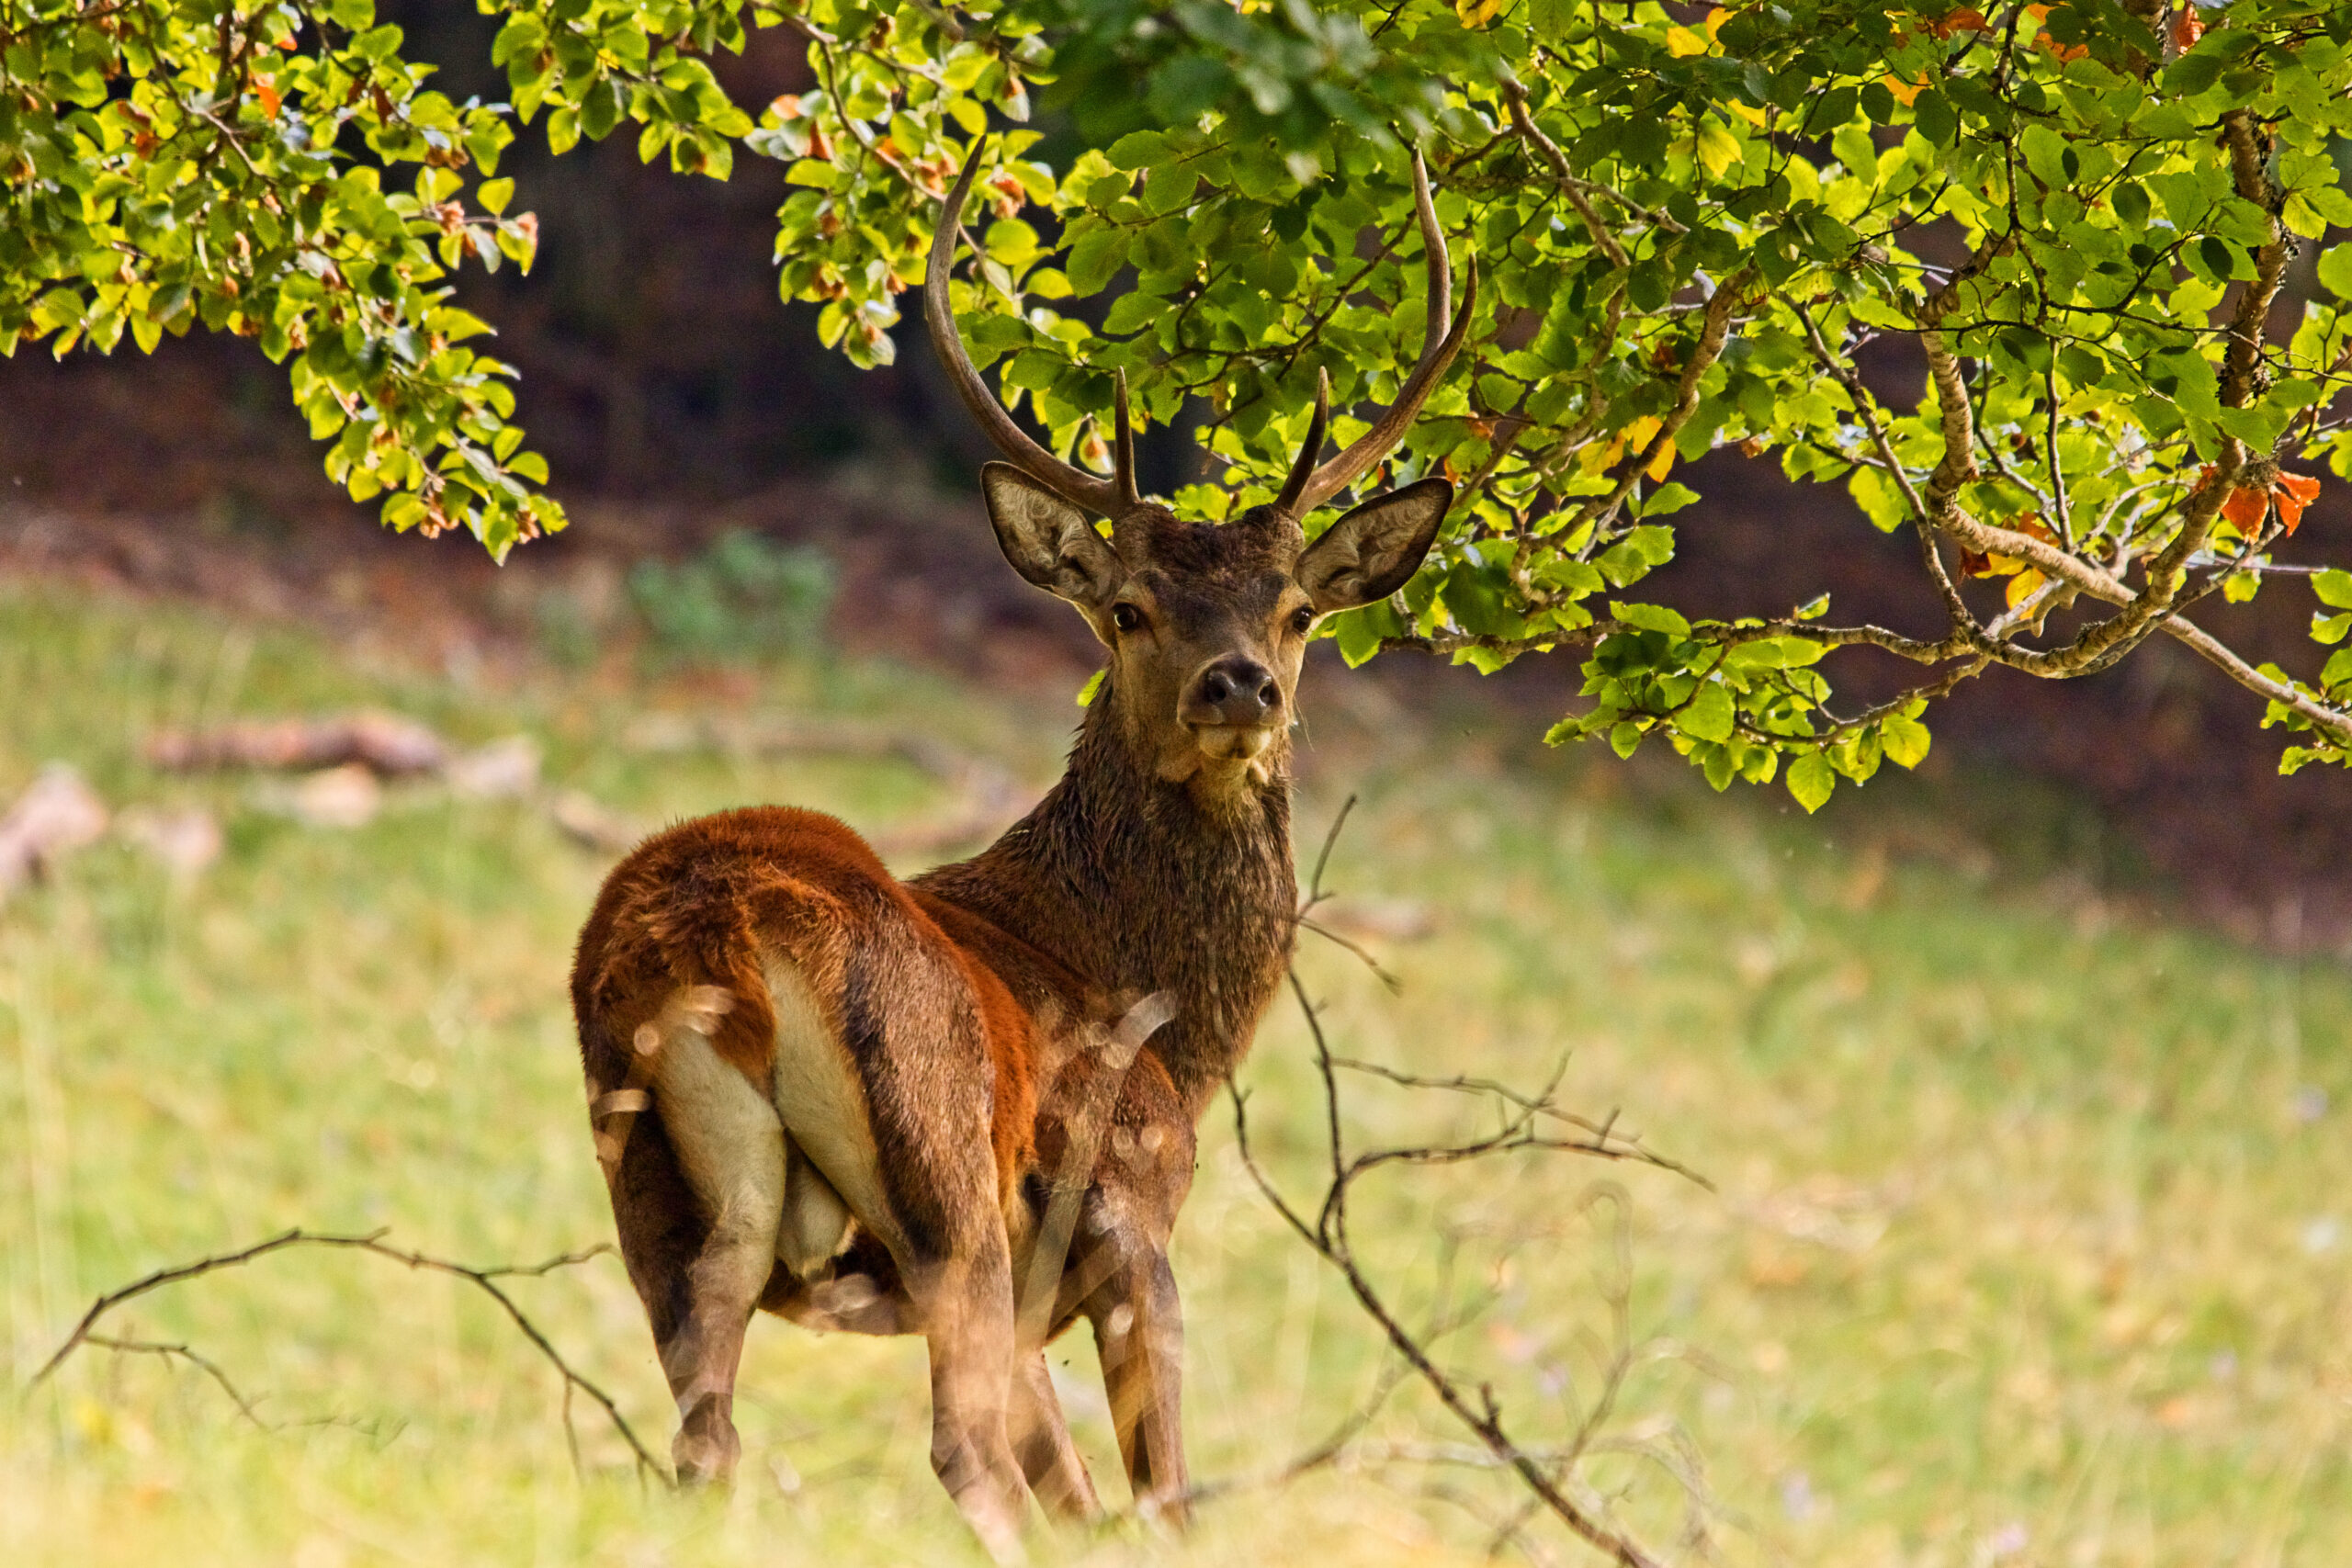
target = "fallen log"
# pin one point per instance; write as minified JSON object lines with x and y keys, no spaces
{"x":383,"y":743}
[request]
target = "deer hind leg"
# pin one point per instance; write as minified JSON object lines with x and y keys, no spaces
{"x":701,"y":1281}
{"x":896,"y":1112}
{"x":963,"y":1303}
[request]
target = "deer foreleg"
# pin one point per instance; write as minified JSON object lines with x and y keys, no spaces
{"x":1139,"y":1334}
{"x":1041,"y":1441}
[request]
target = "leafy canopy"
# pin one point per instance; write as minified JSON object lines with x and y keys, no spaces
{"x":2018,"y":281}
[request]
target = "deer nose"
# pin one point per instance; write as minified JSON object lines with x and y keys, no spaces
{"x":1235,"y":690}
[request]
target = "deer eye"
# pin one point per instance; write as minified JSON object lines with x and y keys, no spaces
{"x":1126,"y":617}
{"x":1302,"y":619}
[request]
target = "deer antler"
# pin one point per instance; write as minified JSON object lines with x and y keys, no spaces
{"x":1309,"y":486}
{"x":1111,"y":497}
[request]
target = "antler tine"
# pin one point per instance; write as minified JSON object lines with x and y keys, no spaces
{"x":1440,"y":288}
{"x":1437,"y":353}
{"x":1302,"y":470}
{"x":1123,"y":446}
{"x":1072,"y":484}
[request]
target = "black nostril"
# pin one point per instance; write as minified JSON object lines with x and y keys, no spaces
{"x":1270,"y":695}
{"x":1213,"y":689}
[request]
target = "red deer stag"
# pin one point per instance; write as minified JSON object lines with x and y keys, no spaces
{"x":927,"y":1107}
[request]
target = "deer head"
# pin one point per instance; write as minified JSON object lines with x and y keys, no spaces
{"x":1206,"y":624}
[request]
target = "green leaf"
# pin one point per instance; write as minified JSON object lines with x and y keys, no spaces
{"x":1906,"y":739}
{"x":1651,"y":617}
{"x":1359,"y":632}
{"x":2333,"y":588}
{"x":1709,"y":716}
{"x":1811,"y":780}
{"x":1717,"y":763}
{"x":600,"y":110}
{"x":1096,"y":258}
{"x":1094,"y":684}
{"x":2336,"y":271}
{"x":2337,"y":672}
{"x":1129,"y":311}
{"x":1670,"y":497}
{"x":1139,"y":149}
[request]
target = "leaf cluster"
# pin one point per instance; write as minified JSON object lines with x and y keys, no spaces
{"x":1698,"y":229}
{"x":1693,"y":229}
{"x":282,"y":173}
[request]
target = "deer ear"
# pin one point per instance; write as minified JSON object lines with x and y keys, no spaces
{"x":1048,"y":540}
{"x":1371,"y":552}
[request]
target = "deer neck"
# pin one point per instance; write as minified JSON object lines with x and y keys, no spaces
{"x":1137,"y":883}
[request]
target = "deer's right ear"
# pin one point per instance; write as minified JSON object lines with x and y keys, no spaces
{"x":1048,"y":540}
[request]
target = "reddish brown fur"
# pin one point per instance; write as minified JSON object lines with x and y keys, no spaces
{"x":699,"y":904}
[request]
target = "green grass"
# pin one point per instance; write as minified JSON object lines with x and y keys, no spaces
{"x":2025,"y":1244}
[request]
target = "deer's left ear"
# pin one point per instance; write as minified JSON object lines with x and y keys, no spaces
{"x":1374,"y":550}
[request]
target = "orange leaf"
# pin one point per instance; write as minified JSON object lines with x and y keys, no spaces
{"x":2245,"y":508}
{"x":2295,"y":491}
{"x":1961,"y":21}
{"x":2188,"y":27}
{"x":265,"y":89}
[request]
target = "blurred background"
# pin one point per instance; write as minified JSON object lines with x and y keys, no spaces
{"x":2019,"y":1079}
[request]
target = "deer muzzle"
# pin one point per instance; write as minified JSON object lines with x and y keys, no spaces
{"x":1233,"y":705}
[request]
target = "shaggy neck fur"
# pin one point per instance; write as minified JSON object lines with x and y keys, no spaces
{"x":1139,"y":885}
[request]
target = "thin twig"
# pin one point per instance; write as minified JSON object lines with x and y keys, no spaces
{"x":1394,"y":985}
{"x":1539,"y":1106}
{"x":203,"y":1364}
{"x":484,"y":1279}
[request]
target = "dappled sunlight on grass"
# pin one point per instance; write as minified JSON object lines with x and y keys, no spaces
{"x":2028,"y":1240}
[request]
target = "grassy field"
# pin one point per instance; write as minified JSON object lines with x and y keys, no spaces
{"x":2029,"y":1240}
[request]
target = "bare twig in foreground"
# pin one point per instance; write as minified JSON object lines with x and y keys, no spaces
{"x":211,"y":1369}
{"x":1528,"y":1122}
{"x":1542,"y":1474}
{"x":486,"y":1280}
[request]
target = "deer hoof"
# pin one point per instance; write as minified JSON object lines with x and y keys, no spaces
{"x":707,"y":1447}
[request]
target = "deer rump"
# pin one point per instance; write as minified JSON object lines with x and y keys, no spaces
{"x":827,"y":1067}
